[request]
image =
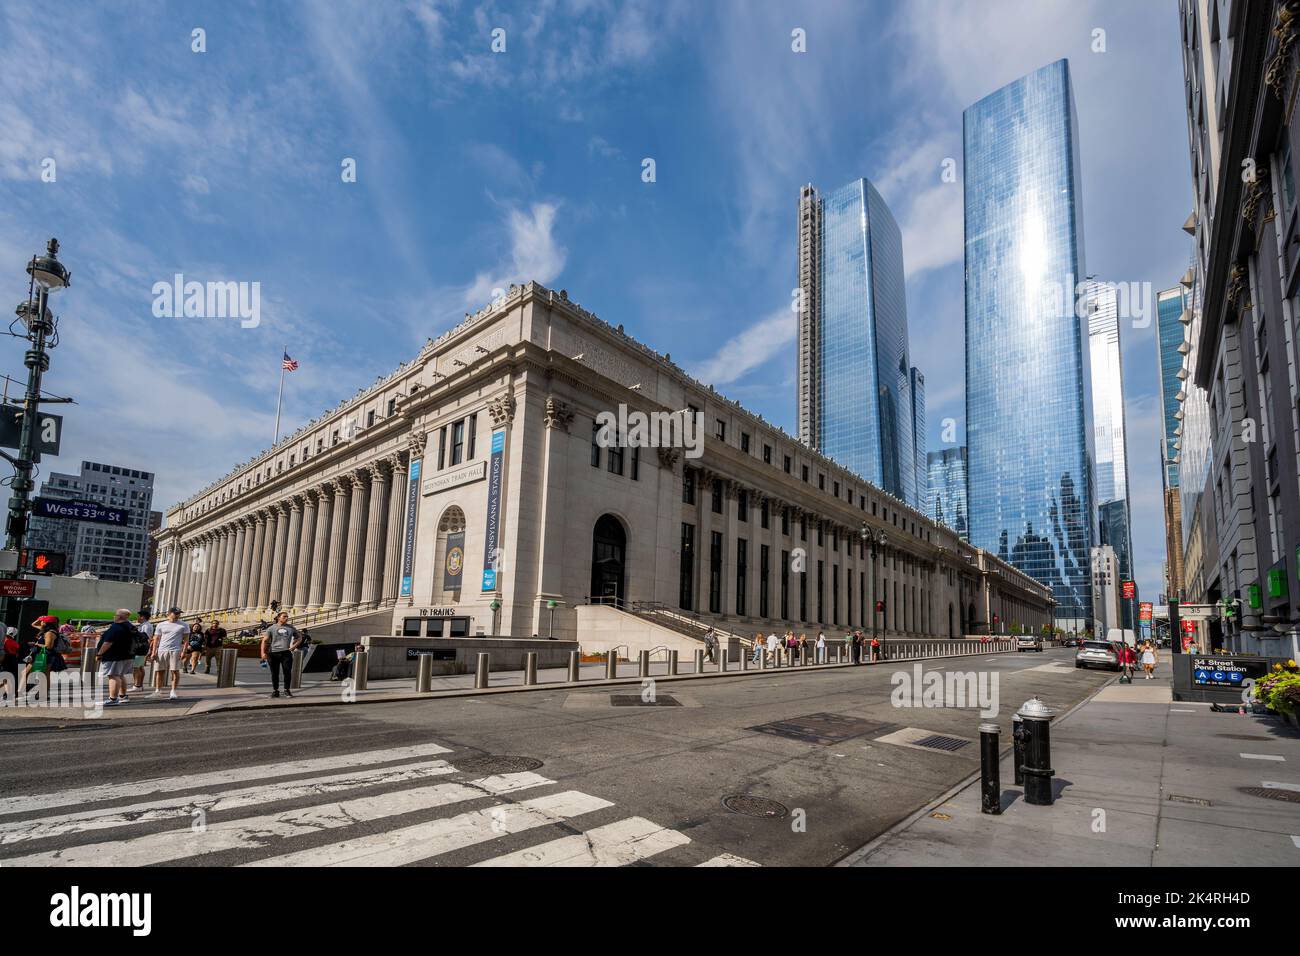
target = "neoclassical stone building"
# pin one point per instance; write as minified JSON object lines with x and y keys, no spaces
{"x":469,"y":492}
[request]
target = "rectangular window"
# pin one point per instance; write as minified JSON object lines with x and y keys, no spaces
{"x":715,"y":574}
{"x":720,"y":430}
{"x":744,"y":442}
{"x":457,"y":443}
{"x":473,"y":430}
{"x":785,"y":585}
{"x":370,"y":418}
{"x":787,"y":464}
{"x":820,"y":526}
{"x":742,"y":506}
{"x":848,"y":595}
{"x":717,"y":496}
{"x":785,"y":521}
{"x":595,"y":444}
{"x":688,"y":486}
{"x":803,"y":597}
{"x":742,"y":562}
{"x":764,"y":573}
{"x":392,"y":407}
{"x":837,"y":489}
{"x":835,"y":594}
{"x":803,"y":529}
{"x":804,"y":468}
{"x":821,"y":574}
{"x":636,"y":462}
{"x":763,"y":514}
{"x":767,"y":454}
{"x":821,"y":482}
{"x":686,"y":578}
{"x":614,"y":457}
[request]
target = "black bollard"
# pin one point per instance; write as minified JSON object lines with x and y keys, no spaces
{"x":1018,"y":747}
{"x":1038,"y":753}
{"x":990,"y":780}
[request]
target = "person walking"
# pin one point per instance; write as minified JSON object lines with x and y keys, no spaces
{"x":9,"y":660}
{"x":773,"y":647}
{"x":1127,"y":659}
{"x":709,"y":642}
{"x":821,"y":648}
{"x":279,"y":642}
{"x":44,"y":656}
{"x":758,"y":647}
{"x":213,"y":640}
{"x":116,"y":653}
{"x":875,"y":649}
{"x":166,"y":649}
{"x":143,"y":637}
{"x":193,"y":649}
{"x":1149,"y":660}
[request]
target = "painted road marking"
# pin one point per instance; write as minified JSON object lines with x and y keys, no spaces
{"x":616,"y":844}
{"x":728,"y":859}
{"x":1261,"y":757}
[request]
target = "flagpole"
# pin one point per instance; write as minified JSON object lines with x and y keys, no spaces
{"x":280,"y":397}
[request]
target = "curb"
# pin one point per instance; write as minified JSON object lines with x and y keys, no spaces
{"x":864,"y":851}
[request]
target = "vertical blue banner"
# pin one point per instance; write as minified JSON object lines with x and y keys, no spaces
{"x":412,"y":505}
{"x":493,"y":531}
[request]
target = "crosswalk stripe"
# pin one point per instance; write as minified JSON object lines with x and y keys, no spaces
{"x":616,"y":844}
{"x":1262,"y":757}
{"x":21,"y":831}
{"x":425,"y":840}
{"x":728,"y":859}
{"x":258,"y":832}
{"x":1276,"y":785}
{"x":44,"y":802}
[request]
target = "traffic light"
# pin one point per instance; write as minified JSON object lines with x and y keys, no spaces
{"x":48,"y":562}
{"x":880,"y":607}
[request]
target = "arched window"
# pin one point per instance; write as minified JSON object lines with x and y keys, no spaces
{"x":450,"y":551}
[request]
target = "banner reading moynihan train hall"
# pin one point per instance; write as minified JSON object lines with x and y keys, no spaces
{"x":412,"y":504}
{"x":493,"y":530}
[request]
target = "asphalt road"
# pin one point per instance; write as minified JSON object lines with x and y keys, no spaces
{"x":606,"y":783}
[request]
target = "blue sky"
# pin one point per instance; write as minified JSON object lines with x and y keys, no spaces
{"x":476,"y":169}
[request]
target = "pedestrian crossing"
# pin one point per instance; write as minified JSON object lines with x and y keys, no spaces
{"x":388,"y":807}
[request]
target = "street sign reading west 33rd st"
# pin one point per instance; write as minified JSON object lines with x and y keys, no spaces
{"x":49,"y":430}
{"x":78,"y":511}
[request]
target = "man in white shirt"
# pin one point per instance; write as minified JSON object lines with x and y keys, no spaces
{"x":145,"y":627}
{"x":772,"y":645}
{"x":821,"y":647}
{"x":165,"y":650}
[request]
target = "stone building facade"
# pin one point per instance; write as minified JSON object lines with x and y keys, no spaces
{"x":471,"y":491}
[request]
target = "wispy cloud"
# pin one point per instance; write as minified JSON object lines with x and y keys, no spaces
{"x":751,"y":349}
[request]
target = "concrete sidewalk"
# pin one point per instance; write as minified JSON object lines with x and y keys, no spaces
{"x":1141,"y":780}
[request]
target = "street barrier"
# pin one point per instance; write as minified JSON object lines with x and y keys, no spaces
{"x":699,"y":661}
{"x":295,"y":673}
{"x":990,"y":781}
{"x":481,"y":671}
{"x":530,"y":667}
{"x":424,"y":679}
{"x":672,"y":663}
{"x":611,"y":664}
{"x":226,"y":666}
{"x":574,"y":672}
{"x":643,"y":662}
{"x":360,"y":669}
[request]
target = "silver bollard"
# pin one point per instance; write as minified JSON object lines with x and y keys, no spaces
{"x":672,"y":663}
{"x":611,"y":665}
{"x":424,"y":678}
{"x":88,"y":663}
{"x":530,"y":668}
{"x":481,"y":671}
{"x":803,"y":656}
{"x":699,"y":661}
{"x":762,"y":660}
{"x":226,"y":666}
{"x":643,"y":664}
{"x":360,"y":669}
{"x":295,"y":673}
{"x":574,"y":674}
{"x":744,"y":659}
{"x":723,"y":654}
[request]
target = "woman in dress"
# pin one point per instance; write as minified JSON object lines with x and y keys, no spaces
{"x":1148,"y":660}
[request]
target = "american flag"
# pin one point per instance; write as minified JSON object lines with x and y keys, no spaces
{"x":288,"y":364}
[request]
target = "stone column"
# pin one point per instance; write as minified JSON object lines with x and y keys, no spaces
{"x":217,"y":600}
{"x":396,"y":527}
{"x":255,"y":568}
{"x":293,"y":547}
{"x":306,"y":535}
{"x":320,"y":545}
{"x":203,"y":578}
{"x":279,"y":552}
{"x":356,"y":541}
{"x":246,"y":562}
{"x":181,"y":571}
{"x":338,"y":546}
{"x":211,"y":567}
{"x":234,"y":597}
{"x":372,"y":572}
{"x":268,"y":558}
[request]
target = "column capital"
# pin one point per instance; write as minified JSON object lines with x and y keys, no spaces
{"x":294,"y":503}
{"x":667,"y":458}
{"x":560,"y":415}
{"x":415,"y":443}
{"x":502,"y":410}
{"x":358,"y":479}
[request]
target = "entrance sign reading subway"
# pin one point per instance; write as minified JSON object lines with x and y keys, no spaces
{"x":492,"y":535}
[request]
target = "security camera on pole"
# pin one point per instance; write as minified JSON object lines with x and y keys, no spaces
{"x":47,"y":274}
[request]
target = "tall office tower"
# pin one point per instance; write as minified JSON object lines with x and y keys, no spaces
{"x":1108,"y":600}
{"x":1170,"y":346}
{"x":1028,"y":388}
{"x":922,"y":466}
{"x":1101,"y":305}
{"x":854,"y":379}
{"x":946,"y":488}
{"x":115,"y":552}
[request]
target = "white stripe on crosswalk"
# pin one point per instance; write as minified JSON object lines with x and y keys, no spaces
{"x":20,"y":831}
{"x":259,"y":832}
{"x":616,"y":844}
{"x":728,"y":859}
{"x":1262,"y":757}
{"x":425,"y":840}
{"x":1275,"y":785}
{"x":44,"y":802}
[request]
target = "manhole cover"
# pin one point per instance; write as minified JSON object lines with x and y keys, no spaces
{"x":1197,"y":801}
{"x":496,"y":764}
{"x":634,"y":700}
{"x":1271,"y":793}
{"x":823,"y":728}
{"x":940,"y":742}
{"x":1243,"y":736}
{"x":755,"y":806}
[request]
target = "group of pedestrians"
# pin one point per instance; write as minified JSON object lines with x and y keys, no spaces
{"x":859,"y":647}
{"x":1145,"y":655}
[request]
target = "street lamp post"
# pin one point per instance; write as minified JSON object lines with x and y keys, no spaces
{"x":47,"y":274}
{"x":877,"y":542}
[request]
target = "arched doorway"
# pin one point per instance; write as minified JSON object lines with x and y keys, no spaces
{"x":450,"y":555}
{"x":608,"y":551}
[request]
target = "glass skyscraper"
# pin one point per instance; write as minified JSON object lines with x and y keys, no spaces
{"x":945,"y":500}
{"x":855,"y":396}
{"x":1170,"y":346}
{"x":1028,"y":387}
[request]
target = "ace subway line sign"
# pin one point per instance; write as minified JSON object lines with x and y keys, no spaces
{"x":49,"y":430}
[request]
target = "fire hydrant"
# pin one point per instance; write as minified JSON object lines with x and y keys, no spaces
{"x":1037,"y":717}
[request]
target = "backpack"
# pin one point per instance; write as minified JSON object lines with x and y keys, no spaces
{"x":62,"y":645}
{"x":139,"y":643}
{"x":196,"y":640}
